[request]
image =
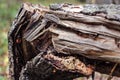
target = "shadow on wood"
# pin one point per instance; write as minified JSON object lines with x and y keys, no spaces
{"x":64,"y":41}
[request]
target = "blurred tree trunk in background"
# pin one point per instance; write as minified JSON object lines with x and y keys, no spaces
{"x":81,"y":0}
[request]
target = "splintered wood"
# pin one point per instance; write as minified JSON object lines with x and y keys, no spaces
{"x":68,"y":38}
{"x":69,"y":64}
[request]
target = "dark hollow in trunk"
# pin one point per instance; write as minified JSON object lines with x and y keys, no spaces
{"x":64,"y":41}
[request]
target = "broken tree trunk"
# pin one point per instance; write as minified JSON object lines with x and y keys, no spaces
{"x":64,"y":41}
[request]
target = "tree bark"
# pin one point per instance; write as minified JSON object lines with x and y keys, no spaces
{"x":103,"y":1}
{"x":64,"y":42}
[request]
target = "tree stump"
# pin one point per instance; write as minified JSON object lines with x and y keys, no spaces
{"x":64,"y":41}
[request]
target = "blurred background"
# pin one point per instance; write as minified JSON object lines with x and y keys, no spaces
{"x":8,"y":11}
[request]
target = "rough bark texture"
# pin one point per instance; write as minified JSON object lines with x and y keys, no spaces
{"x":103,"y":1}
{"x":64,"y":42}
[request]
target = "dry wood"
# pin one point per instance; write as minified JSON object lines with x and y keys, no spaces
{"x":68,"y":39}
{"x":110,"y":75}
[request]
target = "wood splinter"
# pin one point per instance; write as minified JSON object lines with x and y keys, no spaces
{"x":69,"y":64}
{"x":110,"y":75}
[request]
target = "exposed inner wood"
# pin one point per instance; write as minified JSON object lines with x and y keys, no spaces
{"x":69,"y":64}
{"x":65,"y":39}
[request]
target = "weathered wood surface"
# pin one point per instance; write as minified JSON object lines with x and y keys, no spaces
{"x":103,"y":1}
{"x":74,"y":40}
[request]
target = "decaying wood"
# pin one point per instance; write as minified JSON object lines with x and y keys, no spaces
{"x":103,"y":1}
{"x":65,"y":39}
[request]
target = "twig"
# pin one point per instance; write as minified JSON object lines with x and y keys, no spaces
{"x":110,"y":75}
